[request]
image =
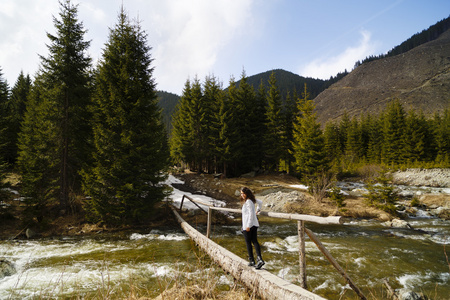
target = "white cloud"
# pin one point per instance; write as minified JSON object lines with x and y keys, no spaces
{"x":23,"y":28}
{"x":323,"y":68}
{"x":190,"y":36}
{"x":187,"y":36}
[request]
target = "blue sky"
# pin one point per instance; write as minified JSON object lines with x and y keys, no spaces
{"x":199,"y":38}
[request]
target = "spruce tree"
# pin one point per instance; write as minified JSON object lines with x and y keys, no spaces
{"x":374,"y":143}
{"x":289,"y":112}
{"x":272,"y":138}
{"x":180,"y":145}
{"x":393,"y":131}
{"x":19,"y":96}
{"x":214,"y":96}
{"x":198,"y":113}
{"x":353,"y":144}
{"x":230,"y":134}
{"x":5,"y":112}
{"x":441,"y":126}
{"x":309,"y":144}
{"x":39,"y":155}
{"x":414,"y":138}
{"x":129,"y":138}
{"x":332,"y":144}
{"x":61,"y":103}
{"x":251,"y":135}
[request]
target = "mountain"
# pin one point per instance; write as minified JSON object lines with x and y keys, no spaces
{"x":419,"y":78}
{"x":288,"y":81}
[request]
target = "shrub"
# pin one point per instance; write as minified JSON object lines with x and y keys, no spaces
{"x":337,"y":197}
{"x":382,"y":194}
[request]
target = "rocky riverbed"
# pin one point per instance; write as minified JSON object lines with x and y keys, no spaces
{"x":284,"y":193}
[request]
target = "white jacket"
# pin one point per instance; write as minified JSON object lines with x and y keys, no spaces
{"x":249,"y":218}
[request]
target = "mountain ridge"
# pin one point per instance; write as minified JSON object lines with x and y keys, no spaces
{"x":418,"y":78}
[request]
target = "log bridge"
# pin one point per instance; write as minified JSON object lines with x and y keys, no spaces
{"x":264,"y":283}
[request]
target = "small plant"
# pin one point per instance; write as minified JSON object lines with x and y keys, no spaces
{"x":415,"y":202}
{"x":337,"y":197}
{"x":319,"y":184}
{"x":382,"y":195}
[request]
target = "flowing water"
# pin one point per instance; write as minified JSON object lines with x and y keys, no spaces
{"x":108,"y":265}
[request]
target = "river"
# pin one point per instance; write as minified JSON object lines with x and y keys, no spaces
{"x":107,"y":265}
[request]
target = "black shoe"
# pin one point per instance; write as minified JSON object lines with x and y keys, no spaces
{"x":251,"y":263}
{"x":259,"y":264}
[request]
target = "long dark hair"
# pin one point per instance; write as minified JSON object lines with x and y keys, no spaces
{"x":248,"y":192}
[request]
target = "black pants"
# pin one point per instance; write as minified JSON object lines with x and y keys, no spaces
{"x":251,"y":237}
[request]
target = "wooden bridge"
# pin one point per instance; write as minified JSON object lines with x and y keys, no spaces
{"x":264,"y":283}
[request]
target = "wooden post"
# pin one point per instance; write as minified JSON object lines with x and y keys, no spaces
{"x":208,"y":227}
{"x":267,"y":285}
{"x":302,"y":254}
{"x":181,"y":204}
{"x":330,"y":258}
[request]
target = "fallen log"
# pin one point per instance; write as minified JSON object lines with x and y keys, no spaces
{"x":264,"y":283}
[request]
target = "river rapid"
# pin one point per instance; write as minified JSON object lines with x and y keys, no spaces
{"x":106,"y":266}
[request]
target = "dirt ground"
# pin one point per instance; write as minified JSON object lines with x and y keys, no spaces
{"x":278,"y":195}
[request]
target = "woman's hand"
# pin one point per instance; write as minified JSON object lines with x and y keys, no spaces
{"x":248,"y":229}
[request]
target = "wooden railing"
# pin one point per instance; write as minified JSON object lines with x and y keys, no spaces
{"x":301,"y":219}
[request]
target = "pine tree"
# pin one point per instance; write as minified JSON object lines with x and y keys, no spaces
{"x":442,"y":137}
{"x":180,"y":146}
{"x":198,"y":113}
{"x":353,"y":145}
{"x":61,"y":103}
{"x":16,"y":110}
{"x":289,"y":113}
{"x":309,"y":144}
{"x":332,"y":144}
{"x":393,"y":128}
{"x":344,"y":126}
{"x":374,"y":139}
{"x":39,"y":156}
{"x":213,"y":97}
{"x":5,"y":111}
{"x":274,"y":126}
{"x":130,"y":142}
{"x":248,"y":108}
{"x":230,"y":132}
{"x":414,"y":142}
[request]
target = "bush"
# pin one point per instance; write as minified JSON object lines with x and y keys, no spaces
{"x":382,"y":195}
{"x":337,"y":197}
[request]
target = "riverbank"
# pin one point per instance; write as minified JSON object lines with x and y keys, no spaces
{"x":279,"y":192}
{"x":284,"y":193}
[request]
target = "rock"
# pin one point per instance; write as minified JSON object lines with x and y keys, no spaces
{"x":397,"y":223}
{"x":30,"y":233}
{"x":6,"y":268}
{"x":249,"y":175}
{"x":409,"y":295}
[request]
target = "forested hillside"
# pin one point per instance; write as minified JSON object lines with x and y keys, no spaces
{"x":289,"y":82}
{"x":241,"y":129}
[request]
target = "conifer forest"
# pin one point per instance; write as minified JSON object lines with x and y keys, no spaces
{"x":79,"y":131}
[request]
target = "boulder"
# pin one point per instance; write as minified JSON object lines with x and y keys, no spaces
{"x":30,"y":233}
{"x":409,"y":295}
{"x":6,"y":268}
{"x":397,"y":223}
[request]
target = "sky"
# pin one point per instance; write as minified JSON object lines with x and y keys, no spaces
{"x":224,"y":38}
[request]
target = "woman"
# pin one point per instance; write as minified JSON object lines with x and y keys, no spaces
{"x":250,"y":225}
